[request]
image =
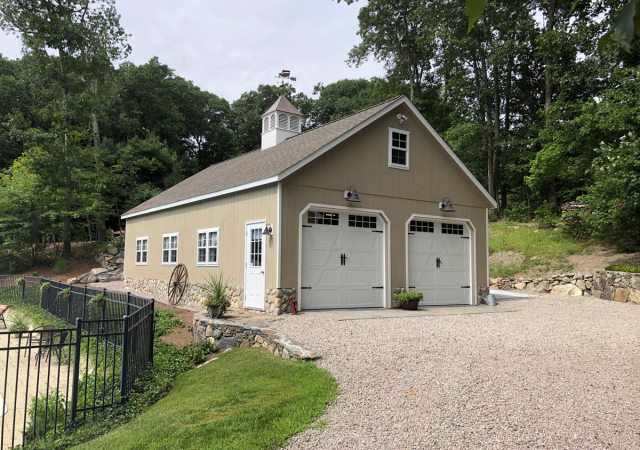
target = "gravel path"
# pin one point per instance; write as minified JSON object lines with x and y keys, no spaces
{"x":561,"y":372}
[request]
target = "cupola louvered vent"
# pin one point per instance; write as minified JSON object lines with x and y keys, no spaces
{"x":265,"y":127}
{"x":273,"y":121}
{"x":295,"y":124}
{"x":282,"y":121}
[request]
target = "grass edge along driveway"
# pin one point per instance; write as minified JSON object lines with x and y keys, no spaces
{"x":247,"y":399}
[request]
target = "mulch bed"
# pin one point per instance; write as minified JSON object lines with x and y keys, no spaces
{"x":180,"y":336}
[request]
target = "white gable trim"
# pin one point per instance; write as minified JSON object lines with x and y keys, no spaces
{"x":322,"y":151}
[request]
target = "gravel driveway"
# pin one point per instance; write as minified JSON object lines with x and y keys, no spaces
{"x":559,"y":372}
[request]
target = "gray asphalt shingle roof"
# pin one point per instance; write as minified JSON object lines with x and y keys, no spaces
{"x":258,"y":164}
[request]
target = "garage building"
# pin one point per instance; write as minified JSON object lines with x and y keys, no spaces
{"x":343,"y":215}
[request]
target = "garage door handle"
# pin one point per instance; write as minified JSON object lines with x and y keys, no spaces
{"x":465,"y":287}
{"x":412,"y":287}
{"x":438,"y":262}
{"x":378,"y":287}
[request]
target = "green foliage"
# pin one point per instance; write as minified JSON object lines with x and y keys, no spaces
{"x":20,"y":281}
{"x":517,"y":212}
{"x":50,"y":406}
{"x":623,"y":268}
{"x":61,"y":266}
{"x":20,"y":322}
{"x":263,"y":401}
{"x":45,"y":286}
{"x":548,"y":215}
{"x":613,"y":200}
{"x":405,"y":297}
{"x":98,"y":301}
{"x":165,"y":322}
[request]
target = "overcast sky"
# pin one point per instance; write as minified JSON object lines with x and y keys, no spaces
{"x":229,"y":47}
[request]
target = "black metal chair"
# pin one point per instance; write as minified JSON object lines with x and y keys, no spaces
{"x":43,"y":336}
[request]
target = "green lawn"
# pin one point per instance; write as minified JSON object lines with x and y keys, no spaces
{"x":542,"y":249}
{"x":247,"y":399}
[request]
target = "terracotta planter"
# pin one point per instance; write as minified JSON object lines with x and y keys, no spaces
{"x":411,"y":305}
{"x":100,"y":305}
{"x":66,"y":296}
{"x":46,"y":288}
{"x":213,"y":311}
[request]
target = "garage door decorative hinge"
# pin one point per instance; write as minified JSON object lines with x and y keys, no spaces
{"x":465,"y":287}
{"x":464,"y":237}
{"x":307,"y":226}
{"x":376,"y":231}
{"x":410,"y":233}
{"x":412,"y":287}
{"x":303,"y":287}
{"x":378,"y":287}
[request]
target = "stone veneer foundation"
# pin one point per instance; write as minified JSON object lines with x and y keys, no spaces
{"x":276,"y":299}
{"x":227,"y":334}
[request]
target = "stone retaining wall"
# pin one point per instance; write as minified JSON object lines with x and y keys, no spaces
{"x":607,"y":285}
{"x":276,"y":299}
{"x":226,"y":334}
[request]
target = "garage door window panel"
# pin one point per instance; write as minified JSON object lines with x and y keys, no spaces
{"x":323,"y":218}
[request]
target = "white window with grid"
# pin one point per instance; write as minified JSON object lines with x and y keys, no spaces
{"x":398,"y":149}
{"x":142,"y":249}
{"x":170,"y":249}
{"x":208,"y":247}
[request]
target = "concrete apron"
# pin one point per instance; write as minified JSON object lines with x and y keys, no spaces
{"x":361,"y":314}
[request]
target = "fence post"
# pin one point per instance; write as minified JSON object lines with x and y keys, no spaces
{"x":69,"y":302}
{"x":124,"y":357}
{"x":152,"y":327}
{"x":128,"y":301}
{"x":84,"y":303}
{"x":76,"y":370}
{"x":24,"y":277}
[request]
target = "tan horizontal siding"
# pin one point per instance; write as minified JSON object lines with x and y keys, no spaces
{"x":229,"y":213}
{"x":362,"y":160}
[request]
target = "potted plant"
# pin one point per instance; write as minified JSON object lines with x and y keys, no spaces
{"x":217,"y":302}
{"x":65,"y":293}
{"x":20,"y":323}
{"x":99,"y":301}
{"x":409,"y":300}
{"x":20,"y":281}
{"x":45,"y":286}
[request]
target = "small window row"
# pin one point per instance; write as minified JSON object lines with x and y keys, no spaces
{"x":207,"y":245}
{"x":452,"y":228}
{"x":322,"y":218}
{"x":420,"y":226}
{"x":362,"y":221}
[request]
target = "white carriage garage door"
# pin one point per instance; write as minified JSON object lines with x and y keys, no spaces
{"x":342,"y":260}
{"x":440,"y":262}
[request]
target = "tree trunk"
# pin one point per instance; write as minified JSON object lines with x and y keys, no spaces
{"x":548,"y":93}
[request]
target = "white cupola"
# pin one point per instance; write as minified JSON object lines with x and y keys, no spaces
{"x":281,"y":121}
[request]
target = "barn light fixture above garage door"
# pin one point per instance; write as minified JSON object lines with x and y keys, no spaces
{"x":446,"y":206}
{"x":352,"y":195}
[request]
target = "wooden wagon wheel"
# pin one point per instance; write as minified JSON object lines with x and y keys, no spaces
{"x":177,"y":284}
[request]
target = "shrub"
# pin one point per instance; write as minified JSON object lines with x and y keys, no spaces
{"x":20,"y":322}
{"x":46,"y":405}
{"x":548,"y":215}
{"x":406,"y":297}
{"x":623,"y":268}
{"x":493,"y":217}
{"x":61,"y":266}
{"x":517,"y":212}
{"x":614,"y":195}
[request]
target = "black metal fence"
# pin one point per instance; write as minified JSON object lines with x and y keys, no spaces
{"x":55,"y":375}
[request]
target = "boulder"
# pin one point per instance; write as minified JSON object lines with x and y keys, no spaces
{"x":73,"y":281}
{"x":120,"y":261}
{"x":581,"y":284}
{"x":634,"y":296}
{"x":621,"y":295}
{"x":109,"y":276}
{"x":543,"y":286}
{"x":567,"y":289}
{"x":96,"y":272}
{"x":607,"y":294}
{"x":87,"y":278}
{"x":112,"y":250}
{"x":520,"y":286}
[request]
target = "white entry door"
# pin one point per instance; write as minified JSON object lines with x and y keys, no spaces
{"x":255,"y":262}
{"x":342,"y":260}
{"x":440,"y":262}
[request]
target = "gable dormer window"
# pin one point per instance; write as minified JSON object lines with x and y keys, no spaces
{"x":398,"y":149}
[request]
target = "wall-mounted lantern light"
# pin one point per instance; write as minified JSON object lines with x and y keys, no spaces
{"x":446,"y":206}
{"x":268,"y":230}
{"x":401,"y":118}
{"x":351,"y":195}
